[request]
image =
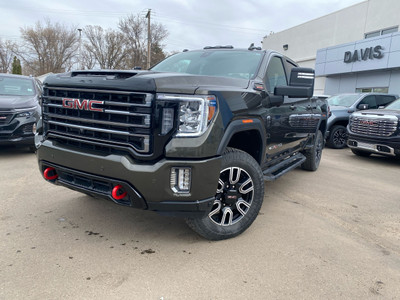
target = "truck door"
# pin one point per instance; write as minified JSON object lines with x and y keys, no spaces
{"x":290,"y":123}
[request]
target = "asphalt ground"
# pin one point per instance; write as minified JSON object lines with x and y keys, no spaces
{"x":329,"y":234}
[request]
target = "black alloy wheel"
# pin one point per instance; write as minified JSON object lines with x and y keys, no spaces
{"x":234,"y":196}
{"x":338,"y":137}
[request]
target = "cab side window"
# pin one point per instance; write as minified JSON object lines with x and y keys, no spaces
{"x":371,"y":101}
{"x":383,"y":100}
{"x":275,"y":74}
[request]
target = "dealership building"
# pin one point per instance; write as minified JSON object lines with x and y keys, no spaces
{"x":356,"y":49}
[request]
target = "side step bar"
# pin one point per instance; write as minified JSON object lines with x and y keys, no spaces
{"x":283,"y":167}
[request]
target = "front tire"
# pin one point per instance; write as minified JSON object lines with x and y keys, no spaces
{"x":238,"y":198}
{"x":338,"y":137}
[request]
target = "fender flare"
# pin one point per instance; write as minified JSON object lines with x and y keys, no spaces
{"x":239,"y":126}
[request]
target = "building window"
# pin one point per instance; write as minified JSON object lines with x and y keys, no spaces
{"x":373,"y":90}
{"x":381,"y":32}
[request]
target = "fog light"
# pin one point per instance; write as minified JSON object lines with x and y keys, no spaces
{"x":180,"y":180}
{"x":34,"y":128}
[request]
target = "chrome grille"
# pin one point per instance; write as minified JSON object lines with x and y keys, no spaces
{"x":5,"y":117}
{"x":117,"y":119}
{"x":374,"y":125}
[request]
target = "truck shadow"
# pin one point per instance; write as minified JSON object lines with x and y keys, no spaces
{"x":106,"y":221}
{"x":14,"y":150}
{"x":379,"y":159}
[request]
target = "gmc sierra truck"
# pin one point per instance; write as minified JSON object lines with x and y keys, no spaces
{"x":375,"y":131}
{"x":194,"y":136}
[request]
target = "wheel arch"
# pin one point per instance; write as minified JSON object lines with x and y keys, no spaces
{"x":341,"y":122}
{"x":247,"y":135}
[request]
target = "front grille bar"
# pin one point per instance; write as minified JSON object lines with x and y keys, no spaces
{"x":147,"y":99}
{"x":376,"y":125}
{"x":125,"y":118}
{"x":97,"y":129}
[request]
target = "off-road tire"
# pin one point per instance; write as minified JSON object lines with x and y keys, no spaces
{"x":313,"y":155}
{"x":229,"y":217}
{"x":361,"y":153}
{"x":337,"y":137}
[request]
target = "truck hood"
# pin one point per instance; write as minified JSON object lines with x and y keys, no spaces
{"x":17,"y":102}
{"x":186,"y":83}
{"x":339,"y":108}
{"x":378,"y":112}
{"x":142,"y":81}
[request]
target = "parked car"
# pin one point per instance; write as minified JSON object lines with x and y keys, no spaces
{"x":343,"y":105}
{"x":375,"y":131}
{"x":19,"y":109}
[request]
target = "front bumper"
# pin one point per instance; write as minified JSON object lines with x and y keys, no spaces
{"x":389,"y":146}
{"x":17,"y":140}
{"x":147,"y":185}
{"x":18,"y":132}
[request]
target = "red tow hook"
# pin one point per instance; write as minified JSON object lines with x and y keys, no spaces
{"x":118,"y":192}
{"x":49,"y":171}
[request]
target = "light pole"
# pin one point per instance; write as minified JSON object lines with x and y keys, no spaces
{"x":148,"y":39}
{"x":80,"y":49}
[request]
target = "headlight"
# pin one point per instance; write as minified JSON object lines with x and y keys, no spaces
{"x":195,"y":112}
{"x":26,"y":114}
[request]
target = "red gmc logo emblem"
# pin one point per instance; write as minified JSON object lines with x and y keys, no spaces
{"x":83,"y":104}
{"x":367,"y":122}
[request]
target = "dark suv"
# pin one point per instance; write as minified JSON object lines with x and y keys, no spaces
{"x":343,"y":105}
{"x":19,"y":109}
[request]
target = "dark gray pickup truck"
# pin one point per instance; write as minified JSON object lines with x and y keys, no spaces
{"x":195,"y":136}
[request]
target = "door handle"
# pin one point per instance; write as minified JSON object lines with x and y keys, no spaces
{"x":292,"y":107}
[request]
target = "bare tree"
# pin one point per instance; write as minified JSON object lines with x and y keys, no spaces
{"x":7,"y":49}
{"x":88,"y":61}
{"x":105,"y":47}
{"x":135,"y":30}
{"x":48,"y":47}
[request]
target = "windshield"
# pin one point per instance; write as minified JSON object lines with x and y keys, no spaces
{"x":16,"y":86}
{"x":235,"y":64}
{"x":343,"y":100}
{"x":394,"y":105}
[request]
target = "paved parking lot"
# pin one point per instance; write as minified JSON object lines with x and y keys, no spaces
{"x":330,"y":234}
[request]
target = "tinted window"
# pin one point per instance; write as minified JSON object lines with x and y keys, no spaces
{"x":370,"y":100}
{"x":224,"y":63}
{"x":275,"y":73}
{"x":384,"y":100}
{"x":389,"y":30}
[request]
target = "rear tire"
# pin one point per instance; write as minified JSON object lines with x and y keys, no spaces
{"x":313,"y":156}
{"x":238,"y":198}
{"x":360,"y":152}
{"x":338,"y":137}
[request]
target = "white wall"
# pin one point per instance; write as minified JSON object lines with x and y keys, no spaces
{"x":340,"y":27}
{"x":343,"y":26}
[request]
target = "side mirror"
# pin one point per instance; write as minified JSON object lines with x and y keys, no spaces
{"x":302,"y":77}
{"x":363,"y":106}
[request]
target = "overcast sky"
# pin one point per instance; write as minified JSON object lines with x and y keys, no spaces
{"x":191,"y":24}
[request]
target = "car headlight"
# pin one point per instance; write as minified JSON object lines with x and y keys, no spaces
{"x":26,"y":114}
{"x":195,"y":112}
